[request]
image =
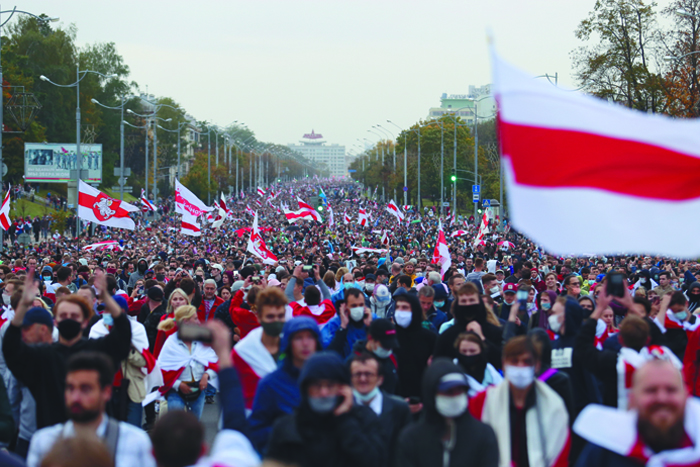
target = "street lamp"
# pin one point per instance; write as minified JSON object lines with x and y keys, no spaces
{"x":121,"y":142}
{"x":147,"y":117}
{"x":179,"y":127}
{"x":381,"y":136}
{"x":405,"y":183}
{"x":476,"y":144}
{"x":393,"y":145}
{"x":78,"y":152}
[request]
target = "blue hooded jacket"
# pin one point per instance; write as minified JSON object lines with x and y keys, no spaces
{"x":278,"y":393}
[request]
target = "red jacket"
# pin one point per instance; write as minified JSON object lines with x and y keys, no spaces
{"x":202,"y":310}
{"x":243,"y":318}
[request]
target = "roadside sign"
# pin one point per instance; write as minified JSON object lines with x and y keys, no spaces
{"x":487,"y":203}
{"x":475,"y":197}
{"x":476,"y":188}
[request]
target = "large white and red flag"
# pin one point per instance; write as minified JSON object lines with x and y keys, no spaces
{"x":442,"y":252}
{"x":346,"y":219}
{"x":331,"y":221}
{"x":256,"y":245}
{"x":97,"y":207}
{"x":191,"y":207}
{"x":146,"y":205}
{"x":106,"y":245}
{"x":5,"y":211}
{"x":562,"y":149}
{"x":362,"y":217}
{"x":394,"y":209}
{"x":305,"y":212}
{"x":222,"y":204}
{"x":483,"y":228}
{"x":261,"y":192}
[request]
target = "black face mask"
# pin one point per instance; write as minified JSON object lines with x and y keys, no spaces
{"x":160,"y":277}
{"x":69,"y":328}
{"x":469,"y":313}
{"x":473,"y":365}
{"x":142,"y":268}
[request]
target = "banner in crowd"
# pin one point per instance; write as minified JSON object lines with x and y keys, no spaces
{"x":53,"y":162}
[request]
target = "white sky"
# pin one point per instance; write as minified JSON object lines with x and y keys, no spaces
{"x":285,"y":67}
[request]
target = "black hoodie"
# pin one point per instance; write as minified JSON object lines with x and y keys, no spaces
{"x":308,"y":439}
{"x":416,"y":345}
{"x":421,"y":444}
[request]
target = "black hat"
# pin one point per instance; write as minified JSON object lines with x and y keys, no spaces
{"x":370,"y":277}
{"x":38,"y":315}
{"x":384,"y":331}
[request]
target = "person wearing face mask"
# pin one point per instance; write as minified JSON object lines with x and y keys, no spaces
{"x":447,"y":435}
{"x":42,"y":369}
{"x":278,"y":393}
{"x":351,"y":325}
{"x":380,"y":301}
{"x":544,"y":302}
{"x":694,"y":297}
{"x":677,"y":321}
{"x":255,"y":356}
{"x":534,"y":430}
{"x":472,"y":358}
{"x":327,"y":428}
{"x":139,"y":273}
{"x":321,"y":311}
{"x":393,"y":413}
{"x":416,"y":345}
{"x":370,"y":282}
{"x":381,"y":342}
{"x":555,"y":379}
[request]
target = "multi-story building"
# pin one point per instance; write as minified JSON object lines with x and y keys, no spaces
{"x":325,"y":156}
{"x":462,"y":105}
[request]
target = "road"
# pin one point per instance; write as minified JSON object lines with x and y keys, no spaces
{"x":210,"y":420}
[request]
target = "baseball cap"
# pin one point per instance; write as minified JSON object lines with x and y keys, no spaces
{"x":273,"y":282}
{"x":383,"y":330}
{"x":500,"y":270}
{"x":510,"y":288}
{"x":370,"y":277}
{"x":452,"y":380}
{"x":218,"y":266}
{"x":38,"y":315}
{"x":236,"y":286}
{"x":83,"y":261}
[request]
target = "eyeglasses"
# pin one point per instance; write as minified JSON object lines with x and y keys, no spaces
{"x":574,"y":284}
{"x":365,"y":374}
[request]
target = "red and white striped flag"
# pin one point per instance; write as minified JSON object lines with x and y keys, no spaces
{"x":145,"y":204}
{"x":257,"y":246}
{"x":347,"y":219}
{"x":394,"y":209}
{"x":442,"y":252}
{"x":261,"y":192}
{"x":331,"y":221}
{"x":305,"y":212}
{"x":5,"y":221}
{"x":385,"y":238}
{"x":458,"y":233}
{"x":361,"y":250}
{"x":362,"y":217}
{"x":250,"y":211}
{"x":406,"y":207}
{"x":483,"y":229}
{"x":191,"y":207}
{"x":97,"y":207}
{"x":634,"y":167}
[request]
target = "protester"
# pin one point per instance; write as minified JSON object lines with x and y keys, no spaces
{"x":447,"y":434}
{"x":88,"y":389}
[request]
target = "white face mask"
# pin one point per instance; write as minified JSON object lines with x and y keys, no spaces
{"x":403,"y":318}
{"x":519,"y":376}
{"x":381,"y":352}
{"x":554,"y":323}
{"x":451,"y":406}
{"x":357,"y":313}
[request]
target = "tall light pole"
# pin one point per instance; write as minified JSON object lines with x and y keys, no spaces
{"x":476,"y":148}
{"x":121,"y":142}
{"x":146,"y":128}
{"x":78,"y":151}
{"x":383,"y":181}
{"x":393,"y":146}
{"x":405,"y":158}
{"x":148,"y":119}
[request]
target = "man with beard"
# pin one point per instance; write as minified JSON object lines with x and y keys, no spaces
{"x":88,"y":389}
{"x":660,"y":429}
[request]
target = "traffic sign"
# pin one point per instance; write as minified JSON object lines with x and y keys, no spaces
{"x":127,"y":189}
{"x":445,"y":204}
{"x":405,"y":188}
{"x":475,"y":197}
{"x":352,"y":171}
{"x":486,"y":203}
{"x":118,"y":171}
{"x":4,"y":169}
{"x":476,"y":188}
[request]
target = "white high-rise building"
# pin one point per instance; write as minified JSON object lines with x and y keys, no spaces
{"x":324,"y":156}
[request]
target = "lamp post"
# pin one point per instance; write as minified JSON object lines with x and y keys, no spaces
{"x":393,"y":146}
{"x":405,"y":157}
{"x":78,"y":151}
{"x":476,"y":145}
{"x":121,"y":142}
{"x":452,"y":116}
{"x":146,"y":126}
{"x":381,"y":136}
{"x":179,"y":127}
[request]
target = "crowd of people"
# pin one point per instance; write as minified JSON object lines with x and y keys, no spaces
{"x":354,"y":346}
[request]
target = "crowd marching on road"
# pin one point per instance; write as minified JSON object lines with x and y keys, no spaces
{"x":362,"y":334}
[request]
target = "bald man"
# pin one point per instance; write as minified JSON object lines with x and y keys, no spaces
{"x":659,"y":429}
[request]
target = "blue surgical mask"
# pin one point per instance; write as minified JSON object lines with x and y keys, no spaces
{"x":546,"y":306}
{"x":349,"y":285}
{"x":439,"y":304}
{"x":381,"y":352}
{"x":365,"y":398}
{"x":107,"y":319}
{"x":681,"y":316}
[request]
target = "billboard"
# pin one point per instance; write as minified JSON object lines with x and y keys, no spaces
{"x":53,"y":162}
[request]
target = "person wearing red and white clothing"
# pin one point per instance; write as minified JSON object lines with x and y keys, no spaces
{"x":321,"y":311}
{"x":255,"y":356}
{"x":187,"y":367}
{"x":210,"y":302}
{"x":535,"y":428}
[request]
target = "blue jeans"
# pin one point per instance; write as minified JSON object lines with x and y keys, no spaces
{"x":210,"y":390}
{"x":175,"y":402}
{"x":134,"y":414}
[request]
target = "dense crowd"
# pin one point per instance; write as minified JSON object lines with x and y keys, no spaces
{"x":353,"y":347}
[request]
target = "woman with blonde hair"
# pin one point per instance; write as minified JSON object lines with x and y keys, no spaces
{"x":186,"y":365}
{"x":177,"y":298}
{"x":340,"y":273}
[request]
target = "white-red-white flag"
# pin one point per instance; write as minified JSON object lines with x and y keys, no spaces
{"x":458,"y":233}
{"x":394,"y":209}
{"x":249,"y":211}
{"x":385,"y":238}
{"x":191,"y":207}
{"x":261,"y":192}
{"x":331,"y":221}
{"x":636,"y":167}
{"x":222,"y":204}
{"x":483,"y":228}
{"x":305,"y":212}
{"x":442,"y":252}
{"x":362,"y":217}
{"x":107,"y":245}
{"x":5,"y":221}
{"x":347,"y":219}
{"x":256,"y":245}
{"x":97,"y":207}
{"x":361,"y":250}
{"x":146,"y":205}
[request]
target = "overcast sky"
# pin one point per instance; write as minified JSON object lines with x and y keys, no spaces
{"x":338,"y":67}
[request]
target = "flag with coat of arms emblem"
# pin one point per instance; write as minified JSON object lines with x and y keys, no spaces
{"x":256,"y":245}
{"x":97,"y":207}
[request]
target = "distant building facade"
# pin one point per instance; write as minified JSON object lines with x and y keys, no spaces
{"x":325,"y":156}
{"x":462,"y":105}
